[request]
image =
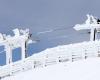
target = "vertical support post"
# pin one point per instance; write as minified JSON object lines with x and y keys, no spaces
{"x":95,"y":32}
{"x":92,"y":35}
{"x":23,"y":49}
{"x":8,"y":54}
{"x":83,"y":53}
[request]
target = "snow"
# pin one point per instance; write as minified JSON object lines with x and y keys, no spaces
{"x":88,"y":69}
{"x":53,"y":56}
{"x":57,"y":64}
{"x":90,"y":47}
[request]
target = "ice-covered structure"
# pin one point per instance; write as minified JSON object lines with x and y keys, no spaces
{"x":20,"y":39}
{"x":79,"y":70}
{"x":59,"y":54}
{"x":91,"y":23}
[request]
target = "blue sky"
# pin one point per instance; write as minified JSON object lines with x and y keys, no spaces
{"x":44,"y":15}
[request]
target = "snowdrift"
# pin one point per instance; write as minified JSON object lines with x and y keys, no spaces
{"x":88,"y":69}
{"x":53,"y":56}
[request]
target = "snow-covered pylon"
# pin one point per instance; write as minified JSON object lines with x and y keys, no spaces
{"x":91,"y":23}
{"x":21,"y":39}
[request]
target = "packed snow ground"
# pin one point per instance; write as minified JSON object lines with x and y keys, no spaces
{"x":88,"y":69}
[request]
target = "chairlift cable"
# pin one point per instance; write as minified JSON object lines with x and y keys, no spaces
{"x":53,"y":30}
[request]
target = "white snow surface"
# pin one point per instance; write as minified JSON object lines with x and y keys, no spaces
{"x":87,"y":69}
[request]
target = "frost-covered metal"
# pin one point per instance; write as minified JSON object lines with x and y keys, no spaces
{"x":20,"y":38}
{"x":91,"y":23}
{"x":65,"y":53}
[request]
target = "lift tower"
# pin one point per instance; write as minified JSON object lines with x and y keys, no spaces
{"x":91,"y":23}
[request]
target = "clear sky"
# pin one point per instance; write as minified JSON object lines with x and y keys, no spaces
{"x":45,"y":15}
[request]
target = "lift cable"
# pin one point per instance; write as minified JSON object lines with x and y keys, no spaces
{"x":53,"y":30}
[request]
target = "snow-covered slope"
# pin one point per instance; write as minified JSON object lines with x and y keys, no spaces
{"x":88,"y":69}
